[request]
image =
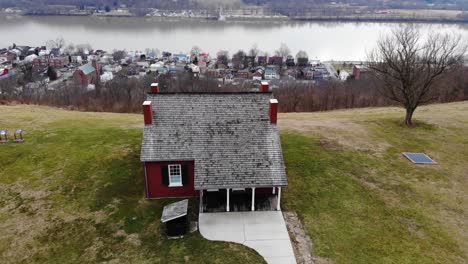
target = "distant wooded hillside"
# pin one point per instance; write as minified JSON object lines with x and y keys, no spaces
{"x":277,"y":4}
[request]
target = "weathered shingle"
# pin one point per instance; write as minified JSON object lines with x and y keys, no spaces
{"x":229,"y":136}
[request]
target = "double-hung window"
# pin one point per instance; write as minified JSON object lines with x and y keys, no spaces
{"x":175,"y":175}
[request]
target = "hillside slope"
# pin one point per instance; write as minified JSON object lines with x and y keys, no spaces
{"x":73,"y":191}
{"x":362,"y":201}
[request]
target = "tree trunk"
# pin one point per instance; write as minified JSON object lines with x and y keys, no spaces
{"x":409,"y":117}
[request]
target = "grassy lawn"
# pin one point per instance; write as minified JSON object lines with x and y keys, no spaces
{"x":362,"y":201}
{"x":73,"y":193}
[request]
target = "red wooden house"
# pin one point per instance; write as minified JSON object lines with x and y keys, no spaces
{"x":195,"y":144}
{"x":87,"y":74}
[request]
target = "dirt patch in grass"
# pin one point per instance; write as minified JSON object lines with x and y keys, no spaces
{"x":345,"y":132}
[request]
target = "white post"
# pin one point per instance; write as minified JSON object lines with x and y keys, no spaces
{"x":253,"y":199}
{"x":201,"y":201}
{"x":273,"y":191}
{"x":278,"y":208}
{"x":227,"y":203}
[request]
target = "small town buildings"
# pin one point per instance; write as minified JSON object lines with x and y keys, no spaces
{"x":8,"y":55}
{"x":87,"y":74}
{"x":55,"y":52}
{"x":202,"y":64}
{"x":250,"y":61}
{"x":222,"y":60}
{"x":30,"y":58}
{"x":6,"y":73}
{"x":271,"y":74}
{"x":257,"y":75}
{"x":205,"y":144}
{"x":237,"y":61}
{"x":245,"y":74}
{"x":290,"y":62}
{"x":344,"y":75}
{"x":308,"y":73}
{"x":293,"y":74}
{"x":318,"y":75}
{"x":315,"y":63}
{"x":56,"y":62}
{"x":112,"y":68}
{"x":262,"y":60}
{"x":360,"y":71}
{"x":181,"y":58}
{"x":214,"y":73}
{"x":204,"y":57}
{"x":275,"y":60}
{"x":106,"y":76}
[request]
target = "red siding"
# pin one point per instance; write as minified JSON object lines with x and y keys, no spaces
{"x":155,"y":188}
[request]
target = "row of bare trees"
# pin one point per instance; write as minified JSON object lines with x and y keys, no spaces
{"x":331,"y":95}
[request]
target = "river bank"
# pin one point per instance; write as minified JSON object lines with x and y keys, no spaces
{"x":392,"y":15}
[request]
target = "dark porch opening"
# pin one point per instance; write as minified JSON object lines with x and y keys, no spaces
{"x":239,"y":200}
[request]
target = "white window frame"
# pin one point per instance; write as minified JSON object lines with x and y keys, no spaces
{"x":177,"y":184}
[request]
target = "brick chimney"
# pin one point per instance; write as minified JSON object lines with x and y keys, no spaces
{"x":273,"y":111}
{"x":155,"y":87}
{"x":148,"y":112}
{"x":96,"y":66}
{"x":264,"y":87}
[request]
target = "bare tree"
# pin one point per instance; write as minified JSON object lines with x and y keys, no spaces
{"x":27,"y":73}
{"x":222,"y":57}
{"x":70,"y":49}
{"x":83,"y":49}
{"x":302,"y":58}
{"x":409,"y":66}
{"x":254,"y":51}
{"x":194,"y":52}
{"x":283,"y":51}
{"x":58,"y":43}
{"x":118,"y":55}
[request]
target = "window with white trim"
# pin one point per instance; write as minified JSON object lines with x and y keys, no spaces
{"x":175,"y":175}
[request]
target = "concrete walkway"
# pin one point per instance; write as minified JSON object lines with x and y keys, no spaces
{"x":265,"y":232}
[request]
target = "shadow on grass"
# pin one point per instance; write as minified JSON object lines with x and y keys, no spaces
{"x":399,"y":123}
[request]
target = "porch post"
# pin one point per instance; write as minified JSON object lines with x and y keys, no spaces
{"x":273,"y":191}
{"x":201,"y":201}
{"x":278,"y":208}
{"x":253,"y":199}
{"x":227,"y":203}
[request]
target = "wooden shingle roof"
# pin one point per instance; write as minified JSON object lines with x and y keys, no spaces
{"x":228,"y":135}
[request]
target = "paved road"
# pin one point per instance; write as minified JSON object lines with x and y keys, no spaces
{"x":265,"y":232}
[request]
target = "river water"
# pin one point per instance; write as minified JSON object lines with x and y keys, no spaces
{"x":321,"y":40}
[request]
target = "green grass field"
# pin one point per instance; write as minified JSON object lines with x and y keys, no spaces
{"x":73,"y":192}
{"x":362,"y":201}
